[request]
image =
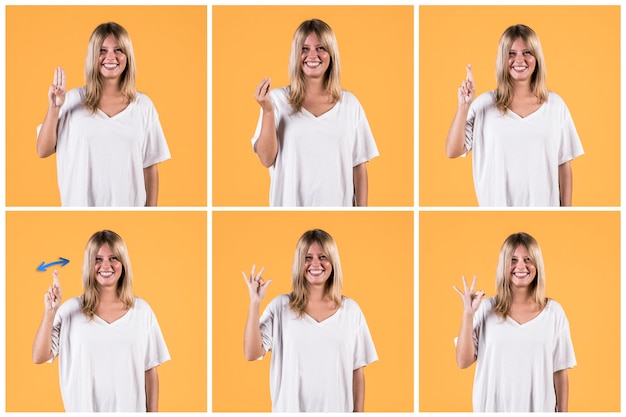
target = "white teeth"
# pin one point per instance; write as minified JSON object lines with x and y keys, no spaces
{"x":106,"y":274}
{"x":110,"y":66}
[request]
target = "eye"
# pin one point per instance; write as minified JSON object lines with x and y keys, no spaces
{"x":527,"y":53}
{"x":511,"y":53}
{"x":305,"y":49}
{"x":113,"y":259}
{"x":320,"y":49}
{"x":528,"y":260}
{"x":118,"y":51}
{"x":308,"y":258}
{"x":103,"y":51}
{"x":98,"y":259}
{"x":323,"y":257}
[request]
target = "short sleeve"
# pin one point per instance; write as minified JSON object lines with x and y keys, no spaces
{"x":154,"y":149}
{"x":257,"y":131}
{"x":364,"y":352}
{"x":563,"y":356}
{"x":56,"y":334}
{"x":570,"y":146}
{"x":156,"y":352}
{"x":267,"y":324}
{"x":365,"y":147}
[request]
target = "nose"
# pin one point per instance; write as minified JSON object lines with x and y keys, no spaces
{"x":110,"y":54}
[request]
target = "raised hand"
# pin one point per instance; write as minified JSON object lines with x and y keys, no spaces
{"x":56,"y":92}
{"x":256,"y":285}
{"x":52,"y":298}
{"x":467,"y":90}
{"x":471,"y":299}
{"x":262,"y":95}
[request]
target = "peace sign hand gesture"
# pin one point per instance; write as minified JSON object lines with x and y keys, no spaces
{"x":256,"y":285}
{"x":471,"y":299}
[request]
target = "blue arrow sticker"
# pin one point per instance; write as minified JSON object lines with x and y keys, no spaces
{"x":44,"y":266}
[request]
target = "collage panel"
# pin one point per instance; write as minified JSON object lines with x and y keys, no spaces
{"x":523,"y":170}
{"x":251,"y":51}
{"x":377,"y":255}
{"x":168,"y":253}
{"x":170,"y":59}
{"x":581,"y":265}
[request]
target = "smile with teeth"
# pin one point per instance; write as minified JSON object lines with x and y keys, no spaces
{"x":110,"y":66}
{"x":519,"y":69}
{"x":316,"y":272}
{"x":521,"y":274}
{"x":313,"y":64}
{"x":106,"y":274}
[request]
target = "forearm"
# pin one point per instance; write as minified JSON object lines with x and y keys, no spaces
{"x":359,"y":174}
{"x":565,"y":184}
{"x":561,"y":388}
{"x":47,"y":137}
{"x":455,"y":142}
{"x":465,"y":353}
{"x":358,"y":389}
{"x":266,"y":147}
{"x":42,"y":345}
{"x":152,"y":390}
{"x":151,"y":180}
{"x":252,"y":339}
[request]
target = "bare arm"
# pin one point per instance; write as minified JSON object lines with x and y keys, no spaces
{"x":151,"y":180}
{"x":358,"y":389}
{"x":152,"y":390}
{"x":42,"y":345}
{"x":266,"y":147}
{"x":47,"y":137}
{"x":561,"y":388}
{"x":465,"y":351}
{"x":252,"y":339}
{"x":455,"y":142}
{"x":565,"y":184}
{"x":359,"y":174}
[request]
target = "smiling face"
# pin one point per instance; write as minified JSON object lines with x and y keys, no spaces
{"x":112,"y":60}
{"x":108,"y":267}
{"x":314,"y":57}
{"x":523,"y":270}
{"x":317,"y":267}
{"x":521,"y":61}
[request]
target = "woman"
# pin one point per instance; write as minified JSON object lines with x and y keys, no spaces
{"x":312,"y":135}
{"x":108,"y":341}
{"x":519,"y":339}
{"x":319,"y":339}
{"x":522,"y":135}
{"x":107,"y":136}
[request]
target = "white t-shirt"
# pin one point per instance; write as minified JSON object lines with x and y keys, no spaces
{"x":102,"y":366}
{"x":516,"y":362}
{"x":100,"y":159}
{"x":316,"y":155}
{"x":516,"y":160}
{"x":312,"y":362}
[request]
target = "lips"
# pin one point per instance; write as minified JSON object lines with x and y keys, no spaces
{"x":519,"y":68}
{"x":521,"y":274}
{"x":106,"y":274}
{"x":110,"y":66}
{"x":315,"y":272}
{"x":313,"y":64}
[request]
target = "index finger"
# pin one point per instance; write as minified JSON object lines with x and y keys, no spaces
{"x":473,"y":284}
{"x":62,"y":72}
{"x":469,"y":76}
{"x":55,"y":279}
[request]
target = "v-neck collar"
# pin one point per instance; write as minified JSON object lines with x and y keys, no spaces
{"x":120,"y":319}
{"x":323,"y":115}
{"x":541,"y":313}
{"x":118,"y":115}
{"x":529,"y":116}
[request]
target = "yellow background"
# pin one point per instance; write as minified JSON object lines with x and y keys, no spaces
{"x":581,"y":46}
{"x":376,"y":53}
{"x":581,"y":252}
{"x":168,"y":256}
{"x":170,"y":50}
{"x":376,"y":250}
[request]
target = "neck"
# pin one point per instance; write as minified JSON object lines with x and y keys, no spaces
{"x":108,"y":295}
{"x":314,"y":86}
{"x":111,"y":87}
{"x":522,"y":88}
{"x":316,"y":293}
{"x":521,"y":295}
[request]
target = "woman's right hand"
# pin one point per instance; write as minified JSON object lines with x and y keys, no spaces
{"x":52,"y":299}
{"x":262,"y":95}
{"x":467,"y":90}
{"x":256,"y":285}
{"x":56,"y":92}
{"x":471,"y":299}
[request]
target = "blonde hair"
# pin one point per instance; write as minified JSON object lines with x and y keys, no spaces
{"x":504,"y":90}
{"x":299,"y":295}
{"x":93,"y":78}
{"x":332,"y":77}
{"x":504,"y":295}
{"x":91,"y":296}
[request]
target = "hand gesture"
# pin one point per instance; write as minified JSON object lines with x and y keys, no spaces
{"x":467,"y":90}
{"x":471,"y":299}
{"x":52,"y":299}
{"x":262,"y":95}
{"x":256,"y":285}
{"x":56,"y":92}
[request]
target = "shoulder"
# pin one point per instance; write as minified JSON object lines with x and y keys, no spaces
{"x":487,"y":306}
{"x":279,"y":302}
{"x":141,"y":305}
{"x":554,"y":307}
{"x":555,"y":100}
{"x":75,"y":96}
{"x":143,"y":100}
{"x":351,"y":306}
{"x":281,"y":94}
{"x":70,"y":306}
{"x":485,"y":99}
